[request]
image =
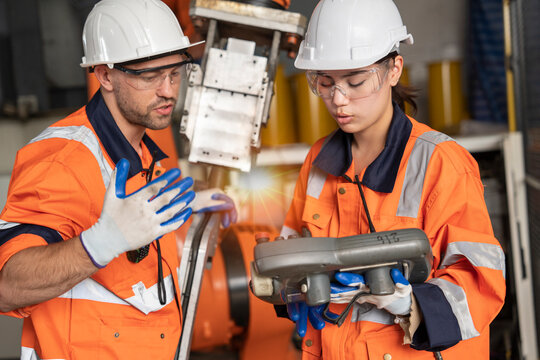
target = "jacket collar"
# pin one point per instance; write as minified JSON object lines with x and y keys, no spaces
{"x":114,"y":142}
{"x":335,"y":156}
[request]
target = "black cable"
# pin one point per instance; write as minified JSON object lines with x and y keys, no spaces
{"x":150,"y":170}
{"x":138,"y":255}
{"x":364,"y":202}
{"x":341,"y":317}
{"x":438,"y":355}
{"x":359,"y":184}
{"x":162,"y":291}
{"x":193,"y":255}
{"x":339,"y":320}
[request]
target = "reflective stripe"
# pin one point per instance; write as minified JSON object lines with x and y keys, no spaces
{"x":368,"y":312}
{"x":411,"y":192}
{"x":316,"y":181}
{"x":86,"y":137}
{"x":478,"y":254}
{"x":30,"y":354}
{"x":287,"y":231}
{"x":458,"y":301}
{"x":4,"y":225}
{"x":145,"y":300}
{"x":89,"y":289}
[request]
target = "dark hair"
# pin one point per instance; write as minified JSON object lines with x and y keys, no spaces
{"x":402,"y":93}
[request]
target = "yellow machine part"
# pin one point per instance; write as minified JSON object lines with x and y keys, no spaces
{"x":446,"y":107}
{"x":313,"y":118}
{"x":281,"y":126}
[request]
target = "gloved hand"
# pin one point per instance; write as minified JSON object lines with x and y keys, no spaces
{"x":343,"y":294}
{"x":128,"y":222}
{"x":300,"y":313}
{"x":398,"y":303}
{"x":211,"y":200}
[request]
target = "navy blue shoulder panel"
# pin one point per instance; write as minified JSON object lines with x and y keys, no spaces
{"x":48,"y":234}
{"x":439,"y":329}
{"x":335,"y":156}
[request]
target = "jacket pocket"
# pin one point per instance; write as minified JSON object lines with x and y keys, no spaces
{"x":317,"y":215}
{"x":122,"y":332}
{"x":137,"y":339}
{"x":388,"y":344}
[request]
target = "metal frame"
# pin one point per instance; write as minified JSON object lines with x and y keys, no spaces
{"x":200,"y":245}
{"x":516,"y":190}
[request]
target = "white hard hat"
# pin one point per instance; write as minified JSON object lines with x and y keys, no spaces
{"x":349,"y":34}
{"x":118,"y":31}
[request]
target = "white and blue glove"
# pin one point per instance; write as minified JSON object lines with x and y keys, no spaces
{"x":398,"y":303}
{"x":350,"y":284}
{"x":300,"y":312}
{"x":129,"y":222}
{"x":215,"y":200}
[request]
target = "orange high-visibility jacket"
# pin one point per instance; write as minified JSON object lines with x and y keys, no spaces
{"x":422,"y":179}
{"x":56,"y":191}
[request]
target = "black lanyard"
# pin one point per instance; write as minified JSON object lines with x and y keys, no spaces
{"x":339,"y":318}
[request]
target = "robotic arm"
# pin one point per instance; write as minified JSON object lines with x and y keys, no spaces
{"x":227,"y":101}
{"x":228,"y":96}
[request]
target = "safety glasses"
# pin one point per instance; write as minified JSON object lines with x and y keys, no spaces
{"x":354,"y":85}
{"x":153,"y":78}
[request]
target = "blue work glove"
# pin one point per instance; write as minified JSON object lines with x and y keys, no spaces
{"x":398,"y":303}
{"x":129,"y":222}
{"x":300,"y":312}
{"x":343,"y":294}
{"x":212,"y":200}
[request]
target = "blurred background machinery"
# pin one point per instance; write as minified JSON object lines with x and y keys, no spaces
{"x":473,"y":63}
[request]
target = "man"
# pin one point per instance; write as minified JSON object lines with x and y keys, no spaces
{"x":78,"y":258}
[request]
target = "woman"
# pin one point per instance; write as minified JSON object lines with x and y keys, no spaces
{"x":382,"y":170}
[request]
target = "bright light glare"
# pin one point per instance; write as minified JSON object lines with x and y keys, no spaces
{"x":258,"y":179}
{"x":260,"y":196}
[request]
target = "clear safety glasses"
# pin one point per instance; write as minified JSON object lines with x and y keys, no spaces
{"x":153,"y":78}
{"x":354,"y":85}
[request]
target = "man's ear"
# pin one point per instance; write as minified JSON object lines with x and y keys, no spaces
{"x":103,"y":74}
{"x":396,"y":70}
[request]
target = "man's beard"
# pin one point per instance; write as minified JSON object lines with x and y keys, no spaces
{"x":136,"y":117}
